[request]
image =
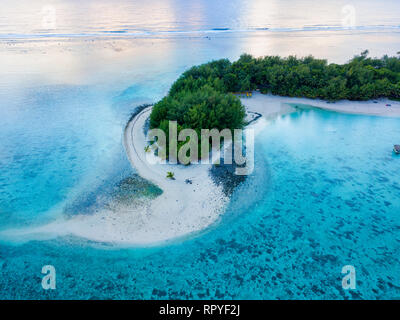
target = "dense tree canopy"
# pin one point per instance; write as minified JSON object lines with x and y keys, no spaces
{"x":203,"y":108}
{"x":201,"y":98}
{"x":362,"y":78}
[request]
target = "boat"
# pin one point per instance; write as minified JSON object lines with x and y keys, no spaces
{"x":396,"y":148}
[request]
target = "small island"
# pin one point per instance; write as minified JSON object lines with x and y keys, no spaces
{"x":206,"y":96}
{"x":211,"y":96}
{"x":221,"y":94}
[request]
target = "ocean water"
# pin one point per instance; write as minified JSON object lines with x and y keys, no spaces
{"x":26,"y":18}
{"x":324,"y":193}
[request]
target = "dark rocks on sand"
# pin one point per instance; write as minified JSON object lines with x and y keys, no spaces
{"x":136,"y":111}
{"x":224,"y":174}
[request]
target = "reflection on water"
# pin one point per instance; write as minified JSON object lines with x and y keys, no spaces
{"x":154,"y":16}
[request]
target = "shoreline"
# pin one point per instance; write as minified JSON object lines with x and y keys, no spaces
{"x":270,"y":105}
{"x":183,"y":209}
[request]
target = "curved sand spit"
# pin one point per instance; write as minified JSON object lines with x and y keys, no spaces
{"x":269,"y":105}
{"x":182,"y":208}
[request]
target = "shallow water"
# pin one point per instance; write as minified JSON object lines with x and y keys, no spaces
{"x":322,"y":196}
{"x":324,"y":192}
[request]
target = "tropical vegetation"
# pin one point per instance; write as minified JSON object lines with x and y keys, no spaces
{"x":202,"y":97}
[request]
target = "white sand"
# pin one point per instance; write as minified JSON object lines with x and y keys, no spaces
{"x":269,"y":105}
{"x":182,"y":209}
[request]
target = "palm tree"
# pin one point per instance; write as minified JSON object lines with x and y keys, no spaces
{"x":170,"y":175}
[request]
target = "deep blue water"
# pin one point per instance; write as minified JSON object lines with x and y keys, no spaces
{"x":325,"y":191}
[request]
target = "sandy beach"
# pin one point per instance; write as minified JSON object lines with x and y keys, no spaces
{"x":270,"y":106}
{"x":183,"y":208}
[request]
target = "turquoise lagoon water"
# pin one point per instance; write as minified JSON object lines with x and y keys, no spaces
{"x":325,"y":191}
